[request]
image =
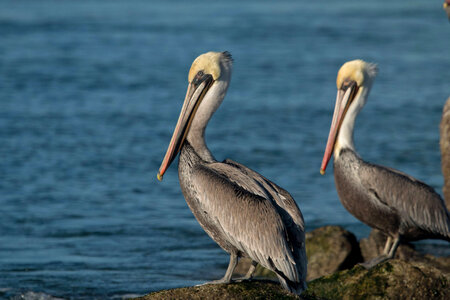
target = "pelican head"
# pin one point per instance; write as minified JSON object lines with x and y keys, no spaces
{"x":446,"y":7}
{"x":353,"y":83}
{"x":209,"y":77}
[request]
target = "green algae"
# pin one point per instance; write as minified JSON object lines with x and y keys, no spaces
{"x":246,"y":290}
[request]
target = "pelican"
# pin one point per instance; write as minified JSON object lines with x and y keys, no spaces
{"x":445,"y":151}
{"x":446,"y":7}
{"x":402,"y":207}
{"x":242,"y":211}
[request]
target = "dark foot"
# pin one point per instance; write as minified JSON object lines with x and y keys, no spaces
{"x":373,"y":262}
{"x":242,"y":279}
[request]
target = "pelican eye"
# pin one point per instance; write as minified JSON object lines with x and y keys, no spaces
{"x":348,"y":84}
{"x":200,"y":77}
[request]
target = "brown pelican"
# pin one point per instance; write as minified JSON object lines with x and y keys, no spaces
{"x":445,"y":151}
{"x":446,"y":6}
{"x":243,"y":212}
{"x":383,"y":198}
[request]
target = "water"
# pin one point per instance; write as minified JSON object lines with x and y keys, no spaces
{"x":90,"y":92}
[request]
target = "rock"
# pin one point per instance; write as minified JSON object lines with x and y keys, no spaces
{"x":445,"y":150}
{"x":330,"y":249}
{"x":237,"y":291}
{"x":440,"y":263}
{"x":394,"y":279}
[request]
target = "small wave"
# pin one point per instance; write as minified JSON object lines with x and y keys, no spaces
{"x":34,"y":296}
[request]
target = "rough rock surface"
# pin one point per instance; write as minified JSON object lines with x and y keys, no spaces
{"x":243,"y":290}
{"x":329,"y":249}
{"x":445,"y":151}
{"x":394,"y":279}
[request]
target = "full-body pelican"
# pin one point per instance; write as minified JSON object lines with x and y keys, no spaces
{"x":243,"y":212}
{"x":383,"y":198}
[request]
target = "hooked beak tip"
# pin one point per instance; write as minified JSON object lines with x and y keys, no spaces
{"x":322,"y":172}
{"x":159,"y":176}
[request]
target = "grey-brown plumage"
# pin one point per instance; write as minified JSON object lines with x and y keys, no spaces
{"x":246,"y":214}
{"x":243,"y":212}
{"x":389,"y":200}
{"x":393,"y":202}
{"x":445,"y":150}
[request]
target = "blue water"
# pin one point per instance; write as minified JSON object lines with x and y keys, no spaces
{"x":90,"y":92}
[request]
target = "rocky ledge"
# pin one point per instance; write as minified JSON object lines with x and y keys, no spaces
{"x":333,"y":273}
{"x":395,"y":279}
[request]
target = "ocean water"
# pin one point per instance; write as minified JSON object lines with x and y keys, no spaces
{"x":90,"y":92}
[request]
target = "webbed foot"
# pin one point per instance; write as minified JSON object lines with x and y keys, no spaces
{"x":219,"y":281}
{"x":375,"y":261}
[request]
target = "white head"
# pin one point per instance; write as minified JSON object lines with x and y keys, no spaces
{"x":209,"y":78}
{"x":353,"y":82}
{"x":218,"y":66}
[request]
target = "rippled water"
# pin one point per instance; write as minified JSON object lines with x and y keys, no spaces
{"x":90,"y":92}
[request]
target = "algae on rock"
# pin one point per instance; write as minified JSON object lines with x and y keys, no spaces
{"x":394,"y":279}
{"x":247,"y":290}
{"x":330,"y":249}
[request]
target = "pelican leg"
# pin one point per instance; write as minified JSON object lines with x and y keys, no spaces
{"x":228,"y":273}
{"x":250,"y":272}
{"x":387,"y":246}
{"x":394,"y":248}
{"x":388,"y":253}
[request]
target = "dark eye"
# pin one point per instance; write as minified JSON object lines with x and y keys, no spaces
{"x":200,"y":73}
{"x":347,"y":84}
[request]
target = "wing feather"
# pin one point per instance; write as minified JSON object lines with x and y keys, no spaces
{"x":288,"y":210}
{"x":242,"y":206}
{"x":280,"y":195}
{"x":417,"y":203}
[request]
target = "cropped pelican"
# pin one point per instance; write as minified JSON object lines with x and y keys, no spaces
{"x":243,"y":212}
{"x":444,"y":130}
{"x":383,"y":198}
{"x":446,"y":7}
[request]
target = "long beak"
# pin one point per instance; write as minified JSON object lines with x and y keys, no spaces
{"x":344,"y":98}
{"x":194,"y":96}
